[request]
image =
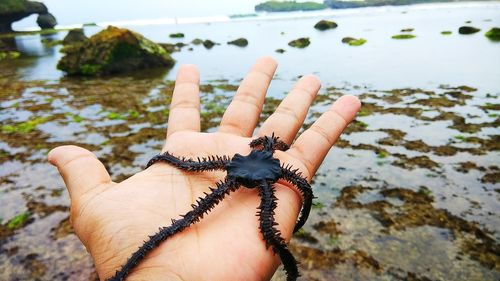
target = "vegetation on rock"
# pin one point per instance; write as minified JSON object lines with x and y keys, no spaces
{"x":403,"y":36}
{"x":299,"y":43}
{"x":493,"y":34}
{"x":176,"y":35}
{"x":288,"y":6}
{"x":113,"y":50}
{"x":325,"y":24}
{"x":446,"y":32}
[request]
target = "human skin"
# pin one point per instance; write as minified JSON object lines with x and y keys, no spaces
{"x":113,"y":219}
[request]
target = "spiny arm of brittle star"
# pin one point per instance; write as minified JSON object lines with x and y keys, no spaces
{"x":272,"y":236}
{"x":202,"y":207}
{"x":271,"y":143}
{"x":294,"y":177}
{"x":201,"y":164}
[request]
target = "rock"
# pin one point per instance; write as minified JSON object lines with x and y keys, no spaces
{"x":46,"y":21}
{"x":493,"y":34}
{"x":240,"y":42}
{"x":407,"y":30}
{"x":14,"y":10}
{"x":113,"y":50}
{"x":468,"y":30}
{"x":176,"y":35}
{"x":347,"y":39}
{"x":280,"y":51}
{"x":197,"y":41}
{"x":75,"y":35}
{"x":172,"y":48}
{"x":325,"y":24}
{"x":208,"y":44}
{"x":299,"y":43}
{"x":353,"y":41}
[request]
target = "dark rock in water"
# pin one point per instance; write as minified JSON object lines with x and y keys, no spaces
{"x":208,"y":44}
{"x":177,"y":35}
{"x":46,"y":21}
{"x":407,"y":30}
{"x":281,"y":51}
{"x":113,"y":50}
{"x":14,"y":10}
{"x":197,"y":41}
{"x":7,"y":52}
{"x":172,"y":48}
{"x":347,"y":39}
{"x":468,"y":30}
{"x":241,"y":42}
{"x":75,"y":36}
{"x":325,"y":24}
{"x":493,"y":34}
{"x":299,"y":43}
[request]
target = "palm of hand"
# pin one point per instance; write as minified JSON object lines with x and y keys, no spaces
{"x":113,"y":219}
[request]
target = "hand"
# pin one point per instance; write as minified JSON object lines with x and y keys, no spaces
{"x":113,"y":219}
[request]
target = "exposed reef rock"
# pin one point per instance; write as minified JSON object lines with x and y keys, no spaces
{"x":468,"y":30}
{"x":325,"y":24}
{"x":113,"y":50}
{"x":493,"y":34}
{"x":75,"y":36}
{"x":46,"y":21}
{"x":299,"y":43}
{"x":240,"y":42}
{"x":15,"y":10}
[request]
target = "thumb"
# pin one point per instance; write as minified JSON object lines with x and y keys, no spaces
{"x":79,"y":168}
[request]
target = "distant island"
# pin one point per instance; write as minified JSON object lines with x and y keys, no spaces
{"x":288,"y":6}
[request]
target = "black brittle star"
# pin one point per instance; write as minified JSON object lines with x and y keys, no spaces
{"x":259,"y":170}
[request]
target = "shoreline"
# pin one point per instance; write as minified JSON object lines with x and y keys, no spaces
{"x":269,"y":16}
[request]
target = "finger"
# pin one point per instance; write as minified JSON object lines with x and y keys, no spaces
{"x":243,"y":113}
{"x":185,"y":106}
{"x":312,"y":146}
{"x":79,"y":168}
{"x":286,"y":121}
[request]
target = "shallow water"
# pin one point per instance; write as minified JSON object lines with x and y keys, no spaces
{"x":410,"y":192}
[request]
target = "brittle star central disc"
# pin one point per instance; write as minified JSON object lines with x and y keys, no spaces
{"x":257,"y":166}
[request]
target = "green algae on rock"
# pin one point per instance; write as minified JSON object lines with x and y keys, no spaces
{"x":407,"y":30}
{"x":325,"y":25}
{"x":468,"y":30}
{"x":240,"y":42}
{"x":493,"y":34}
{"x":357,"y":42}
{"x":177,"y":35}
{"x":280,"y":51}
{"x":403,"y":36}
{"x":446,"y":32}
{"x":300,"y":43}
{"x":113,"y":50}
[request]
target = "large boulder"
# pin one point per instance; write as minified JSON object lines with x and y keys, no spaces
{"x":75,"y":35}
{"x":14,"y":10}
{"x":113,"y":50}
{"x":46,"y":21}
